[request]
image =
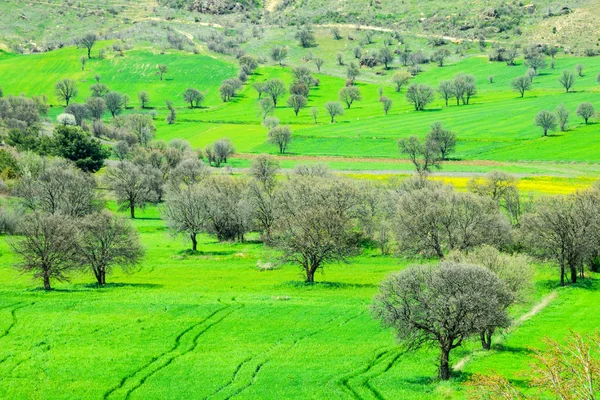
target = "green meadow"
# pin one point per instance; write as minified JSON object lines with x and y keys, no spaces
{"x":213,"y":325}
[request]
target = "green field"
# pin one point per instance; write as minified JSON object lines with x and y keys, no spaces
{"x":211,"y":325}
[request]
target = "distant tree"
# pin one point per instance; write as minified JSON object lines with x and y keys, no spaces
{"x":96,"y":107}
{"x":445,"y":305}
{"x":352,"y":72}
{"x":349,"y":95}
{"x":315,"y":222}
{"x":259,"y":87}
{"x":223,"y":149}
{"x":297,"y":102}
{"x":97,"y":78}
{"x":314,"y":112}
{"x":121,"y":150}
{"x":464,"y":88}
{"x":58,"y":188}
{"x":142,"y":126}
{"x":562,"y":114}
{"x":87,"y":42}
{"x":82,"y":61}
{"x":521,"y":84}
{"x":423,"y":155}
{"x":66,"y":89}
{"x":172,"y":112}
{"x":280,"y":136}
{"x":194,"y":97}
{"x":385,"y":56}
{"x":336,"y":33}
{"x":99,"y":90}
{"x":545,"y":120}
{"x":262,"y":193}
{"x":106,"y":241}
{"x":564,"y":229}
{"x":334,"y":109}
{"x":510,"y":55}
{"x":440,"y":56}
{"x":400,"y":79}
{"x":79,"y":111}
{"x":446,"y":90}
{"x":420,"y":95}
{"x":441,"y":139}
{"x":144,"y":98}
{"x":387,"y":104}
{"x":125,"y":100}
{"x":47,"y":247}
{"x":567,"y":79}
{"x":114,"y":103}
{"x":275,"y":88}
{"x":185,"y":212}
{"x":66,"y":119}
{"x":131,"y":185}
{"x":585,"y":111}
{"x":279,"y":54}
{"x":306,"y":37}
{"x":535,"y":61}
{"x":319,"y":63}
{"x":162,"y":69}
{"x":226,"y":91}
{"x":266,"y":106}
{"x":299,"y":88}
{"x":76,"y":145}
{"x":579,"y":69}
{"x":340,"y":59}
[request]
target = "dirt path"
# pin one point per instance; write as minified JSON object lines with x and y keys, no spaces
{"x":525,"y":317}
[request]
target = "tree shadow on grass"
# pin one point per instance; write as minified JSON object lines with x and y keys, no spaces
{"x":512,"y":349}
{"x":328,"y":285}
{"x":200,"y":253}
{"x":114,"y":285}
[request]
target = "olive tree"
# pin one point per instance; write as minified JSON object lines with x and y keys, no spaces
{"x":400,"y":79}
{"x":443,"y":305}
{"x":162,"y":69}
{"x":47,"y":247}
{"x":106,"y":241}
{"x":194,"y":97}
{"x":297,"y":102}
{"x":275,"y":88}
{"x":316,"y":221}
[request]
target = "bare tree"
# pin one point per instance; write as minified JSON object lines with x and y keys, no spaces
{"x":319,"y":63}
{"x":446,"y":90}
{"x":87,"y":42}
{"x":441,"y":139}
{"x":66,"y":89}
{"x":334,"y":109}
{"x":194,"y":97}
{"x":281,"y":136}
{"x":420,"y":95}
{"x":545,"y":120}
{"x":185,"y":212}
{"x":144,"y":98}
{"x":275,"y":88}
{"x":387,"y":104}
{"x":279,"y":54}
{"x":585,"y":111}
{"x":567,"y":79}
{"x":521,"y":84}
{"x":564,"y":229}
{"x":349,"y":95}
{"x":423,"y":155}
{"x":314,"y":113}
{"x":262,"y":193}
{"x":400,"y":79}
{"x":96,"y":107}
{"x":315,"y":224}
{"x":47,"y":247}
{"x":106,"y":241}
{"x":114,"y":103}
{"x":443,"y":305}
{"x":162,"y":69}
{"x":132,"y":185}
{"x":297,"y":102}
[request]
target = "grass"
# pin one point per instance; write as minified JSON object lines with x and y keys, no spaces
{"x":212,"y":324}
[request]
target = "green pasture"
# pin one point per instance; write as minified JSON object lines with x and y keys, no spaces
{"x":212,"y":325}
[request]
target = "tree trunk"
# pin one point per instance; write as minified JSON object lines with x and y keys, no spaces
{"x":444,"y":369}
{"x":102,"y":281}
{"x":132,"y":211}
{"x":562,"y":274}
{"x":310,"y":274}
{"x":486,"y":339}
{"x":89,"y":52}
{"x":47,"y":280}
{"x":573,"y":273}
{"x":194,"y":242}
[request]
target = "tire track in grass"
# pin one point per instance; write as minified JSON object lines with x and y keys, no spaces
{"x":13,"y":314}
{"x":138,"y":377}
{"x":389,"y":366}
{"x":264,"y":358}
